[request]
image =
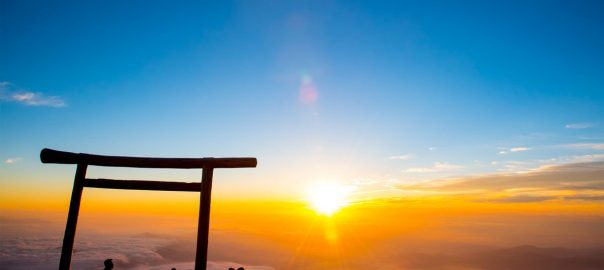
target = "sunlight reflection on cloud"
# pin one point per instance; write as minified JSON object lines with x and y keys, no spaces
{"x":143,"y":251}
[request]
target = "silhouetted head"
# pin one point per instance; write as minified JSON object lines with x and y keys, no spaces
{"x":173,"y":268}
{"x":240,"y":268}
{"x":231,"y":268}
{"x":108,"y":264}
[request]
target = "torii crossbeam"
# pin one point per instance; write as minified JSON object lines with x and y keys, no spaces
{"x":205,"y":188}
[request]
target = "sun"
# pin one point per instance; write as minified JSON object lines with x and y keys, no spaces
{"x":328,"y":198}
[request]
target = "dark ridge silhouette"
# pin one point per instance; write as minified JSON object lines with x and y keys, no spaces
{"x":531,"y":257}
{"x":525,"y":257}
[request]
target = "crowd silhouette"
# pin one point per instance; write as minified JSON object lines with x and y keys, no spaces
{"x":109,"y":265}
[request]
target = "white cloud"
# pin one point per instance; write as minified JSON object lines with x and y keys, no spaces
{"x":432,"y":148}
{"x":37,"y":99}
{"x":13,"y":160}
{"x":28,"y":98}
{"x":504,"y":151}
{"x":579,"y":125}
{"x":437,"y":167}
{"x":403,"y":157}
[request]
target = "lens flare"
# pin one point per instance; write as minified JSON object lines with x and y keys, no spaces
{"x":308,"y":91}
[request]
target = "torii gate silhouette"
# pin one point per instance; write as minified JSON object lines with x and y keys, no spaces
{"x":205,"y":188}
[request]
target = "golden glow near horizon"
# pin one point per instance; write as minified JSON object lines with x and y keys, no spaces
{"x":327,"y":198}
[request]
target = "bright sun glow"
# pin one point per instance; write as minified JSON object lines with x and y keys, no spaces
{"x":328,"y":198}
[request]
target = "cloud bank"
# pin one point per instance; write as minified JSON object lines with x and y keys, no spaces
{"x":569,"y":182}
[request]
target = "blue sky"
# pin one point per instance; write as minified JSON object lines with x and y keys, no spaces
{"x":398,"y":90}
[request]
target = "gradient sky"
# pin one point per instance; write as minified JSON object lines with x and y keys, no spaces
{"x":407,"y":91}
{"x":468,"y":122}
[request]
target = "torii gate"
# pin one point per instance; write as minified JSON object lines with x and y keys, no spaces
{"x":205,"y":188}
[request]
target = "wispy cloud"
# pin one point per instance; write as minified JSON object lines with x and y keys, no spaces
{"x":29,"y":98}
{"x":521,"y":199}
{"x":436,"y":167}
{"x":402,"y":157}
{"x":13,"y":160}
{"x":525,"y":166}
{"x":582,"y":146}
{"x":585,"y":197}
{"x":542,"y":198}
{"x":37,"y":99}
{"x":579,"y":125}
{"x":504,"y":151}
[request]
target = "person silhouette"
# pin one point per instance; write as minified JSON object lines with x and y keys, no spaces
{"x":231,"y":268}
{"x":108,"y":264}
{"x":240,"y":268}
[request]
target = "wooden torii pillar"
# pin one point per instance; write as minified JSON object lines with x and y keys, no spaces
{"x":205,"y":188}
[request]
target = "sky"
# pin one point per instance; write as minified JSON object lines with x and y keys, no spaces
{"x":492,"y":110}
